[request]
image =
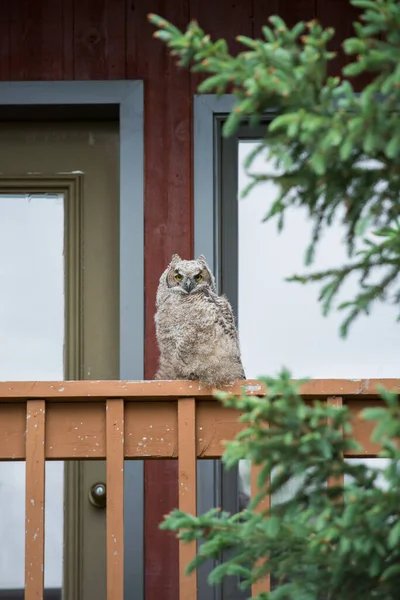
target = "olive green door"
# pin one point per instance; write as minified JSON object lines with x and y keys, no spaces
{"x":79,"y":163}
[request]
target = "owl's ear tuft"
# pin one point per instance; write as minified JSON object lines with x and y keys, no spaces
{"x":175,"y":258}
{"x":202,"y":259}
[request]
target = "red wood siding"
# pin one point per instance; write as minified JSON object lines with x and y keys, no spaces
{"x":168,"y":229}
{"x":111,"y":39}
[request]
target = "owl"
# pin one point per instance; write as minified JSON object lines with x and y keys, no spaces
{"x":195,"y":328}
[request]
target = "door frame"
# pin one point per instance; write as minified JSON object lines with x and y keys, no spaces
{"x":218,"y":487}
{"x":126,"y":98}
{"x":208,"y":111}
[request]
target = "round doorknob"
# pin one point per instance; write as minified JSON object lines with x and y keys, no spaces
{"x":98,"y":495}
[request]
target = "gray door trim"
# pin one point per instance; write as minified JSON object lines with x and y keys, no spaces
{"x":208,"y":109}
{"x":215,"y":235}
{"x":127,"y":97}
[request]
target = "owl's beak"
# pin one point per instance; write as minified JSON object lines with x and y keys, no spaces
{"x":188,"y":285}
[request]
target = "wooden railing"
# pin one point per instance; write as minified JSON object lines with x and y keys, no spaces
{"x":117,"y":420}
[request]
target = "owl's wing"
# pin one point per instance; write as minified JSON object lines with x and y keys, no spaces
{"x":224,"y":313}
{"x":226,"y":320}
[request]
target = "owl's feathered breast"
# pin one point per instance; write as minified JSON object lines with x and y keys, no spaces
{"x":196,"y":317}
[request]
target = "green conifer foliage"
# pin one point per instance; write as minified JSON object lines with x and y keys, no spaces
{"x":337,"y":153}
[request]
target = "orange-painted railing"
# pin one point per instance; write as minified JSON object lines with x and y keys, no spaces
{"x":117,"y":420}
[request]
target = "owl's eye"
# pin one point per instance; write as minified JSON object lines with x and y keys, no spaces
{"x":178,"y":277}
{"x":199,"y":277}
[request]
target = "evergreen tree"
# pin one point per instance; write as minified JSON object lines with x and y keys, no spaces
{"x":336,"y":152}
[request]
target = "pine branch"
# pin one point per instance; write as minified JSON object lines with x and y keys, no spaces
{"x":323,"y":136}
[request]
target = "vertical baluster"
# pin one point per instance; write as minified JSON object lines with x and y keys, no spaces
{"x":34,"y":499}
{"x":187,"y":490}
{"x":264,"y":584}
{"x":335,"y":401}
{"x":115,"y":499}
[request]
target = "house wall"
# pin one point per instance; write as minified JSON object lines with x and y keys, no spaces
{"x":111,"y":39}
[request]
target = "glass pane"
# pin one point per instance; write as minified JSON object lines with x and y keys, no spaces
{"x":378,"y":464}
{"x":32,"y":340}
{"x":280,"y":323}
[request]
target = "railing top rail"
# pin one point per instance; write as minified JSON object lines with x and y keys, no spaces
{"x":60,"y":391}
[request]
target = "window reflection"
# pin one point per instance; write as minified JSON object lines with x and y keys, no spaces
{"x":32,"y":340}
{"x":378,"y":464}
{"x":280,"y":323}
